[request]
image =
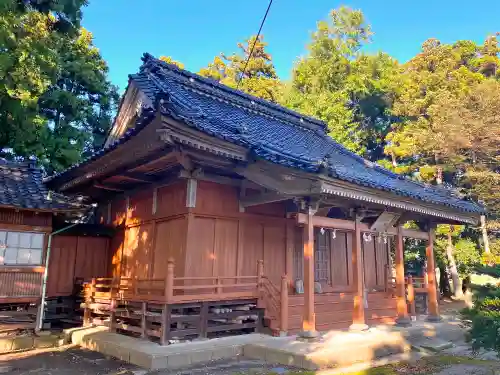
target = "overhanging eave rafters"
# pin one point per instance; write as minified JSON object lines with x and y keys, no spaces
{"x":376,"y":197}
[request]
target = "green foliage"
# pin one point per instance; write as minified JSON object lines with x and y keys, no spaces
{"x":350,"y":91}
{"x":259,"y":78}
{"x":484,"y":317}
{"x":55,"y":101}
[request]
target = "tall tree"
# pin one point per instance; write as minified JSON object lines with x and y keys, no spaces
{"x":79,"y":105}
{"x":448,"y":100}
{"x":251,"y":70}
{"x":349,"y":90}
{"x":55,"y":101}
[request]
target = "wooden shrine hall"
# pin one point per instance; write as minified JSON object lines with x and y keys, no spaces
{"x":229,"y":210}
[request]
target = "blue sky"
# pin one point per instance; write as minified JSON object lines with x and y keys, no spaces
{"x":194,"y":31}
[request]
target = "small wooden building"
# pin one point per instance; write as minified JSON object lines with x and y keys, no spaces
{"x":220,"y":196}
{"x":29,"y":213}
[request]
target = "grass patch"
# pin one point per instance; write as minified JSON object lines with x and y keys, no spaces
{"x":423,"y":366}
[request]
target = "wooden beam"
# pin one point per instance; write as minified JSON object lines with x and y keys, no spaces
{"x":326,"y":222}
{"x":107,"y":187}
{"x":135,"y":176}
{"x":255,"y":200}
{"x":358,"y":312}
{"x":402,"y":308}
{"x":431,"y":280}
{"x":184,"y":160}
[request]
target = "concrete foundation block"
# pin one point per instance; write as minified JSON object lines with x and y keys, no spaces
{"x":200,"y":356}
{"x":254,"y":351}
{"x":140,"y":358}
{"x":220,"y":353}
{"x":22,"y":343}
{"x":5,"y":345}
{"x":158,"y":363}
{"x":284,"y":358}
{"x":78,"y":336}
{"x":178,"y":361}
{"x":41,"y":342}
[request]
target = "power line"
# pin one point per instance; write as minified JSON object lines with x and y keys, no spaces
{"x":254,"y":43}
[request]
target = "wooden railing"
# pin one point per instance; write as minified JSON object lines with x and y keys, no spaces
{"x":173,"y":289}
{"x":275,"y":301}
{"x":20,"y":282}
{"x":413,"y":285}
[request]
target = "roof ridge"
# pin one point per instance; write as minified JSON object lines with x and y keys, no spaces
{"x":242,"y":98}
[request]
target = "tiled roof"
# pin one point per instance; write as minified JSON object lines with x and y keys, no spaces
{"x":269,"y":131}
{"x":273,"y":132}
{"x":22,"y":187}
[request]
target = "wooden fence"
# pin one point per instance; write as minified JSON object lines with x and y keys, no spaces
{"x":20,"y":284}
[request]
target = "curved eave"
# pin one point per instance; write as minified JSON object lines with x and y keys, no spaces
{"x":419,"y":207}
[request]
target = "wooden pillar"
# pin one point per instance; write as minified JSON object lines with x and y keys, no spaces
{"x":169,"y":280}
{"x":309,"y":319}
{"x":432,"y":296}
{"x":358,"y":313}
{"x":411,"y":296}
{"x":402,"y":306}
{"x":284,"y":306}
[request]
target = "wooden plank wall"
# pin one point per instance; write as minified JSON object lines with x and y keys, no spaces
{"x":74,"y":257}
{"x":216,"y":239}
{"x":224,"y":241}
{"x":30,"y":218}
{"x":334,"y":310}
{"x":149,"y":232}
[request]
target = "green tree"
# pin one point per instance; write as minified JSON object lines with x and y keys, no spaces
{"x":55,"y":102}
{"x":351,"y":91}
{"x":259,"y":78}
{"x":79,"y":106}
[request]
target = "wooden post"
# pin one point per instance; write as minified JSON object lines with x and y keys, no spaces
{"x":309,"y":318}
{"x":358,"y":313}
{"x":386,"y":278}
{"x":87,"y":313}
{"x":112,"y":315}
{"x":402,"y":307}
{"x":169,"y":281}
{"x":203,"y":320}
{"x":411,"y":296}
{"x":431,"y":281}
{"x":136,"y":286}
{"x":284,"y":306}
{"x":165,"y":324}
{"x":219,"y":285}
{"x":260,"y":283}
{"x":143,"y":320}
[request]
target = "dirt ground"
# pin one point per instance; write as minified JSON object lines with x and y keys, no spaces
{"x":71,"y":360}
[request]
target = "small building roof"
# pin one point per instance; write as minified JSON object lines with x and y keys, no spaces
{"x":269,"y":131}
{"x":22,"y":187}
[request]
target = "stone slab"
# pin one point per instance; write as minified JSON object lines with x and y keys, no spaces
{"x":20,"y":343}
{"x":334,"y":349}
{"x":173,"y":357}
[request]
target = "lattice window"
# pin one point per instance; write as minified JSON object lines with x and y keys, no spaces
{"x":322,"y":271}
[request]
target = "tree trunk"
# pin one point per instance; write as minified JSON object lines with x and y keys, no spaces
{"x":452,"y":266}
{"x":486,"y":241}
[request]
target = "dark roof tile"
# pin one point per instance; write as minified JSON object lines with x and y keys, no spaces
{"x":270,"y":131}
{"x":22,"y":187}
